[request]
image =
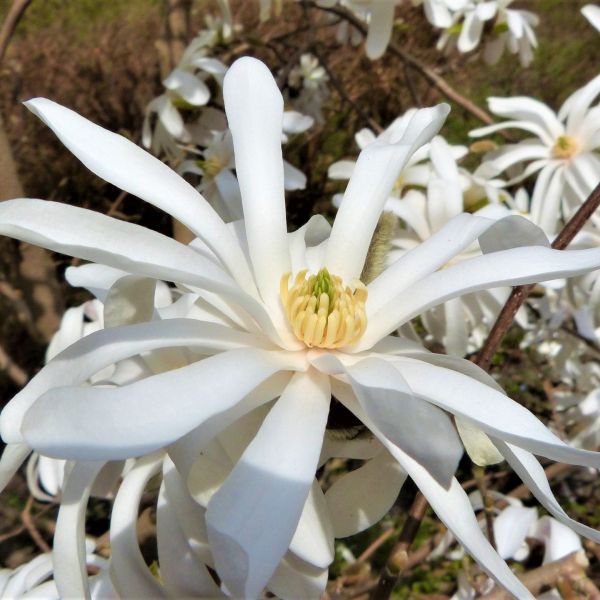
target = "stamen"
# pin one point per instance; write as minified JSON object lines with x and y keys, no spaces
{"x":322,"y":312}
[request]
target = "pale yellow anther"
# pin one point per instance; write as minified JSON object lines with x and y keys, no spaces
{"x":322,"y":312}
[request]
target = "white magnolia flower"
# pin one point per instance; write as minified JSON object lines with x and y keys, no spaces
{"x":562,"y":153}
{"x":311,"y":80}
{"x":512,"y":28}
{"x":286,"y":319}
{"x":185,"y":88}
{"x":592,"y":13}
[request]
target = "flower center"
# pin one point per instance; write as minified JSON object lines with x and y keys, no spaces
{"x":322,"y":312}
{"x":565,"y":147}
{"x":211,"y":166}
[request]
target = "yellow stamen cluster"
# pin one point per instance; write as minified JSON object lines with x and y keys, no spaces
{"x":322,"y":312}
{"x":565,"y":147}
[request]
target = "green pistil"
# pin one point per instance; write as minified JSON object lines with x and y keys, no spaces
{"x":324,"y":285}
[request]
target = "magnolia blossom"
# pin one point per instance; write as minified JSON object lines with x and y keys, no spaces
{"x":310,"y":79}
{"x":512,"y":28}
{"x":185,"y":88}
{"x":562,"y":154}
{"x":283,"y":319}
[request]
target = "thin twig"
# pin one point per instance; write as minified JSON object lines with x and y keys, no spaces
{"x":29,"y":525}
{"x":10,"y":23}
{"x":570,"y":569}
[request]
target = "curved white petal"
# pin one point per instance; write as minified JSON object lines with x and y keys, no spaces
{"x":13,"y":457}
{"x":592,"y":13}
{"x":191,"y":88}
{"x":362,"y":497}
{"x":369,"y":187}
{"x":515,"y":266}
{"x":533,"y":476}
{"x":130,"y":575}
{"x":69,"y":556}
{"x":489,"y":410}
{"x":252,"y":518}
{"x":122,"y":163}
{"x":98,"y":350}
{"x":381,"y":23}
{"x":103,"y":423}
{"x":254,"y":108}
{"x":451,"y":505}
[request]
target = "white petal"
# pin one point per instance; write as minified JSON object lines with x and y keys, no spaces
{"x":377,"y":168}
{"x":515,"y":266}
{"x":296,"y":580}
{"x":94,"y":423}
{"x":13,"y":457}
{"x":313,"y":538}
{"x":129,"y":573}
{"x":381,"y":23}
{"x":490,"y":410}
{"x":533,"y":476}
{"x":453,"y":507}
{"x":436,"y":251}
{"x":122,"y":163}
{"x":362,"y":497}
{"x":511,"y":527}
{"x":592,"y":13}
{"x":93,"y":353}
{"x":294,"y":179}
{"x":70,"y":569}
{"x":252,"y":518}
{"x":405,"y":419}
{"x":254,"y":108}
{"x":192,"y":89}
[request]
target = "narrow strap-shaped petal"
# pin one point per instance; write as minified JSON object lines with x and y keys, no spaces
{"x":516,"y":266}
{"x":70,"y":567}
{"x":451,"y":505}
{"x":381,"y":23}
{"x":92,"y":236}
{"x":254,"y":108}
{"x":114,"y":423}
{"x":397,"y":411}
{"x":533,"y":476}
{"x":13,"y":457}
{"x":98,"y":350}
{"x":129,"y":573}
{"x":490,"y":410}
{"x":427,"y":257}
{"x":252,"y":518}
{"x":377,"y":168}
{"x":122,"y":163}
{"x":180,"y":570}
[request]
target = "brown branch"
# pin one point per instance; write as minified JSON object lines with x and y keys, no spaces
{"x":29,"y":524}
{"x":10,"y":23}
{"x":397,"y":561}
{"x":520,"y":293}
{"x":570,"y":569}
